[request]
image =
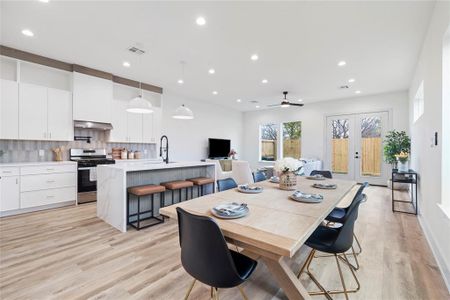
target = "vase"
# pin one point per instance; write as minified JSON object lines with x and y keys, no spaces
{"x":288,"y":181}
{"x":402,"y":166}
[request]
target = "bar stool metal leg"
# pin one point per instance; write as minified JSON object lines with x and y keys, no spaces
{"x":138,"y":212}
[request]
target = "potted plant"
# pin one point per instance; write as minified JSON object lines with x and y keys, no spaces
{"x":402,"y":164}
{"x":395,"y":143}
{"x":287,"y":169}
{"x":232,"y":154}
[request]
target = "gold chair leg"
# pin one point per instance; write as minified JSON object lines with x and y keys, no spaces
{"x":212,"y":293}
{"x":217,"y":293}
{"x":323,"y":291}
{"x":190,"y":289}
{"x":242,"y":293}
{"x":359,"y":245}
{"x":341,"y":276}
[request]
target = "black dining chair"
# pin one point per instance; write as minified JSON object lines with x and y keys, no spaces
{"x":226,"y":184}
{"x":324,"y":173}
{"x":335,"y":241}
{"x":206,"y":257}
{"x":259,"y":176}
{"x":337,"y":215}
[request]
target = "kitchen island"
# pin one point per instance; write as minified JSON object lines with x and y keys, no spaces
{"x":113,"y":181}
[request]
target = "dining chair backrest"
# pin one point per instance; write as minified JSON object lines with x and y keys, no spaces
{"x":358,"y":196}
{"x":259,"y":176}
{"x":226,"y":184}
{"x":241,"y":172}
{"x":344,"y":239}
{"x":324,"y":173}
{"x":204,"y":251}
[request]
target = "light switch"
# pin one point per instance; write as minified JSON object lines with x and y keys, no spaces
{"x":41,"y":152}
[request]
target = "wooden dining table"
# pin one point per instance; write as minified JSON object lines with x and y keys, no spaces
{"x":276,"y":226}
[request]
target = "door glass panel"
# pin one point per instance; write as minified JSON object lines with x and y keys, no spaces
{"x":340,"y":140}
{"x":371,"y":142}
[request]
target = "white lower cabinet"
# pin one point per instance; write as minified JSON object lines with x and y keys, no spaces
{"x":46,"y":197}
{"x":31,"y":187}
{"x":9,"y":193}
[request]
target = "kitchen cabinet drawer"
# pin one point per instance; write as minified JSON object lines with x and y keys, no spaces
{"x":31,"y":170}
{"x":47,"y":181}
{"x":9,"y":171}
{"x":45,"y":197}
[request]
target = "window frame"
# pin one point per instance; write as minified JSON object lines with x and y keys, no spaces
{"x":279,"y":141}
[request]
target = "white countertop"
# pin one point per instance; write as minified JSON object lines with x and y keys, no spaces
{"x":133,"y":166}
{"x":37,"y":163}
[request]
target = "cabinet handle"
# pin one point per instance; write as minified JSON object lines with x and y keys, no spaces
{"x":17,"y":181}
{"x":50,"y":169}
{"x":50,"y":196}
{"x":50,"y":181}
{"x":50,"y":135}
{"x":7,"y":172}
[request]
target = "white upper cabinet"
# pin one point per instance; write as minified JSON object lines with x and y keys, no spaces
{"x":119,"y":133}
{"x":45,"y":113}
{"x":147,"y":127}
{"x":9,"y":109}
{"x":92,"y":98}
{"x":60,"y":124}
{"x":32,"y":112}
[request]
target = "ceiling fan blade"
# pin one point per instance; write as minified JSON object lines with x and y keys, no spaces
{"x":273,"y":105}
{"x":296,"y":104}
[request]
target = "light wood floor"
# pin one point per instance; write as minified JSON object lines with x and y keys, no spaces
{"x":68,"y":253}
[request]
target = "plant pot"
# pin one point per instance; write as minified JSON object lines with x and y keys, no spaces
{"x":288,"y":181}
{"x":403,"y":166}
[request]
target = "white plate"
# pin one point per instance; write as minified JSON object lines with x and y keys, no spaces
{"x":274,"y":179}
{"x":250,"y":190}
{"x":315,"y":177}
{"x":325,"y":186}
{"x":229,"y":206}
{"x":305,"y":197}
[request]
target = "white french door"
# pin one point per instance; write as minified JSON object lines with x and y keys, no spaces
{"x":354,"y":146}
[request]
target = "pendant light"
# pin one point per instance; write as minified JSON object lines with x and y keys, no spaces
{"x":183,"y":112}
{"x":139,"y":105}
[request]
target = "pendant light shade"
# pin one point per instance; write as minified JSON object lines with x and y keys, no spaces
{"x":183,"y":113}
{"x":139,"y":105}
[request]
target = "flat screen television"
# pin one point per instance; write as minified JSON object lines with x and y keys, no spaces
{"x":218,"y":148}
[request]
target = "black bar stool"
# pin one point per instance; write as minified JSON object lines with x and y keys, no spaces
{"x":200,"y":182}
{"x":141,"y":191}
{"x":178,"y":185}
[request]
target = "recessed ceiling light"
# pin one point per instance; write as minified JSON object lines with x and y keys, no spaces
{"x":200,"y":21}
{"x":257,"y":106}
{"x":264,"y":81}
{"x":238,"y":100}
{"x":180,"y":81}
{"x":215,"y":92}
{"x":44,"y":1}
{"x":126,"y":64}
{"x":254,"y":57}
{"x":211,"y":71}
{"x":27,"y":32}
{"x":300,"y":100}
{"x":341,"y":63}
{"x":357,"y":92}
{"x":351,"y":80}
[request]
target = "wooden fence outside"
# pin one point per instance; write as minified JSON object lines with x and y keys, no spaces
{"x":291,"y":148}
{"x":370,"y":156}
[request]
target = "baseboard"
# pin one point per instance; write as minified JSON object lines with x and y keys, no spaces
{"x":438,"y":255}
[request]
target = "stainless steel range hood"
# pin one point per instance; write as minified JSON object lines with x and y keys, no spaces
{"x":92,"y":125}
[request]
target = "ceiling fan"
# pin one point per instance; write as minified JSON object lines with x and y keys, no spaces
{"x":285,"y":102}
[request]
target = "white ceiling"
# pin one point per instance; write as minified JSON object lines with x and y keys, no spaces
{"x":299,"y":44}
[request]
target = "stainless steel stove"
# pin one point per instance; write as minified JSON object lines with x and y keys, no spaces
{"x":87,"y":160}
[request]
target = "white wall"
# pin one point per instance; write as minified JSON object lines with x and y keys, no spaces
{"x":313,"y":120}
{"x":426,"y":159}
{"x":188,"y":139}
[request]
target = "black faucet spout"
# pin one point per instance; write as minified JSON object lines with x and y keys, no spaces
{"x":164,"y":150}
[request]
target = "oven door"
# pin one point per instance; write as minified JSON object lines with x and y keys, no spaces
{"x":87,"y":179}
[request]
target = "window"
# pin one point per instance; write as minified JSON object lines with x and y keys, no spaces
{"x":418,"y":103}
{"x":271,"y":147}
{"x":292,"y":133}
{"x":268,"y":141}
{"x":340,"y":133}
